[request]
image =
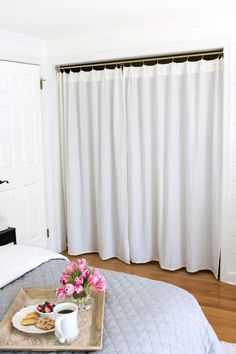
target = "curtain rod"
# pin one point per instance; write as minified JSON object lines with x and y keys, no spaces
{"x":140,"y":60}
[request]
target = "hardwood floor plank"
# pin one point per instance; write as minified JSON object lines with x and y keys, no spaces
{"x":217,"y":300}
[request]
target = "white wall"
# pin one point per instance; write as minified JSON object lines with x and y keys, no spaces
{"x":229,"y":235}
{"x":175,"y":38}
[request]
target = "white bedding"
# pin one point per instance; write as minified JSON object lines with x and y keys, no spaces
{"x":16,"y":260}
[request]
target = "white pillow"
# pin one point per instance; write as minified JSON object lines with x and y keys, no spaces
{"x":16,"y":260}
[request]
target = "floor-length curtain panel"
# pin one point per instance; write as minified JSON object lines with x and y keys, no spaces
{"x":175,"y":123}
{"x":93,"y":146}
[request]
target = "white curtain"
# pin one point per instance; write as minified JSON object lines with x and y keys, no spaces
{"x":142,"y":154}
{"x":175,"y":121}
{"x":92,"y":119}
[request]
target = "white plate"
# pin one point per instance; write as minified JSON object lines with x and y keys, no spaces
{"x":16,"y":321}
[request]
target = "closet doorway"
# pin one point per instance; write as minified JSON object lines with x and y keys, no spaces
{"x":142,"y":160}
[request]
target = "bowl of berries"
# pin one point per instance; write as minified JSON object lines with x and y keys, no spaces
{"x":46,"y":309}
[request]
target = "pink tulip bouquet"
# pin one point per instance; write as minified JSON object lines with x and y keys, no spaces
{"x":77,"y":280}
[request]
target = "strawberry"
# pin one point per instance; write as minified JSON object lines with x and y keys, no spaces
{"x":47,"y":309}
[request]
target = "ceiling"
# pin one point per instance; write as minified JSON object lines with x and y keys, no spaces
{"x":53,"y":19}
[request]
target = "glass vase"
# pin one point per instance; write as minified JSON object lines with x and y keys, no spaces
{"x":83,"y":300}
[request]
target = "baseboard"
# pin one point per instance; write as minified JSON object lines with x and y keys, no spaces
{"x":231,"y":278}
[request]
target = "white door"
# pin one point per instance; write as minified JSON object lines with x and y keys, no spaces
{"x":21,"y":161}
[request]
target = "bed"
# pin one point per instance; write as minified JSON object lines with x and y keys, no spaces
{"x":141,"y":315}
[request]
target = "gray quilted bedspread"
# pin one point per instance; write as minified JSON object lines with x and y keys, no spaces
{"x":141,"y":315}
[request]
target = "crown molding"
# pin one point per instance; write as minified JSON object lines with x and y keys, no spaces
{"x":226,"y":23}
{"x":20,"y":37}
{"x":21,"y":48}
{"x":188,"y":35}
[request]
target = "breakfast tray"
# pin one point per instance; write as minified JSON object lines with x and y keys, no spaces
{"x":90,"y":325}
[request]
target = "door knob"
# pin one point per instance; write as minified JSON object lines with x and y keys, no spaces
{"x":1,"y":182}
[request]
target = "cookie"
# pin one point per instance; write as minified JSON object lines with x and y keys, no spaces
{"x":30,"y":319}
{"x":45,"y":323}
{"x":32,"y":314}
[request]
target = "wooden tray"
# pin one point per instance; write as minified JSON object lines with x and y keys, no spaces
{"x":90,"y":325}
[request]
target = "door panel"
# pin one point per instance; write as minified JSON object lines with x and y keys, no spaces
{"x":8,"y":205}
{"x":29,"y":138}
{"x":6,"y":153}
{"x":21,"y":162}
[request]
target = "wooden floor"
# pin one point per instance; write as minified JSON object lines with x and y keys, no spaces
{"x":217,"y":300}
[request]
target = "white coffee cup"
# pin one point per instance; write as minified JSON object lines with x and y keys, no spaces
{"x":66,"y":322}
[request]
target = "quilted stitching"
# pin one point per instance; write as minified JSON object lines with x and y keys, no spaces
{"x":141,"y":315}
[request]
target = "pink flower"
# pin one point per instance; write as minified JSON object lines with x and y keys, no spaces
{"x":82,"y":264}
{"x":69,"y":289}
{"x":97,"y":280}
{"x":92,"y":280}
{"x":60,"y":292}
{"x":79,"y":281}
{"x":64,"y":278}
{"x":71,"y":267}
{"x":101,"y":284}
{"x":85,"y":273}
{"x":96,"y":273}
{"x":79,"y":289}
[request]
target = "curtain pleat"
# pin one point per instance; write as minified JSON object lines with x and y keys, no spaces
{"x":175,"y":123}
{"x":93,"y":124}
